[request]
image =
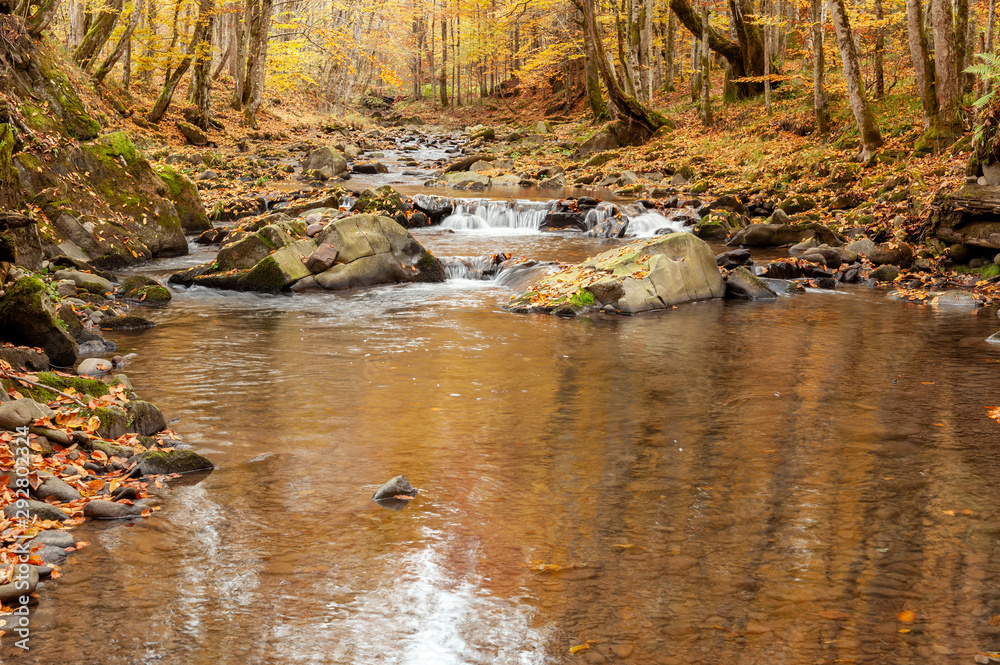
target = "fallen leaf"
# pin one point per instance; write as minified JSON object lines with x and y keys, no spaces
{"x":834,"y":615}
{"x":906,"y":616}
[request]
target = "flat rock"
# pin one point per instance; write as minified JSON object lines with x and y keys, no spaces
{"x":43,"y":511}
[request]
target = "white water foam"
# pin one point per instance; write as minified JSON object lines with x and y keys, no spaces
{"x":429,"y":614}
{"x":485,"y":215}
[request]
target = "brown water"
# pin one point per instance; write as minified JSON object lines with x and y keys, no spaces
{"x":727,"y":482}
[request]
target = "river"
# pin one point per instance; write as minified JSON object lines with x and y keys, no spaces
{"x":811,"y":480}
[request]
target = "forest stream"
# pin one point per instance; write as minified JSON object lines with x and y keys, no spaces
{"x":807,"y":480}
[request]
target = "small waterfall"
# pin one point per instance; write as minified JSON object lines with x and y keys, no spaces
{"x":481,"y":215}
{"x":473,"y":267}
{"x":650,"y":224}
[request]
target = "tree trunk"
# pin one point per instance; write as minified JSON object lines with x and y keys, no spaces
{"x":123,"y":45}
{"x":98,"y":34}
{"x":991,"y":17}
{"x":592,"y":76}
{"x":963,"y":44}
{"x":920,"y":56}
{"x":706,"y":78}
{"x":170,"y":85}
{"x":443,"y":77}
{"x":946,"y":84}
{"x":745,"y":55}
{"x":668,"y":69}
{"x":257,"y":63}
{"x":767,"y":60}
{"x":879,"y":50}
{"x":76,"y":28}
{"x":871,"y":138}
{"x":633,"y":115}
{"x":821,"y":104}
{"x":243,"y":37}
{"x":203,"y":68}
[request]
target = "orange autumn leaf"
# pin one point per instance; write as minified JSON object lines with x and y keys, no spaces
{"x":993,"y":412}
{"x":906,"y":616}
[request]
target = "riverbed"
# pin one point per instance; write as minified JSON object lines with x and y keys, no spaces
{"x":810,"y":480}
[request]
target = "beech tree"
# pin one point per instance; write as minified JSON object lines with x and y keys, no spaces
{"x":871,"y":138}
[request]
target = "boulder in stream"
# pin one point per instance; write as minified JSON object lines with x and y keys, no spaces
{"x":375,"y":250}
{"x":644,"y":275}
{"x":395,"y":488}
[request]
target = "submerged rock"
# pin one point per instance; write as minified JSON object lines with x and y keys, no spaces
{"x":641,"y":276}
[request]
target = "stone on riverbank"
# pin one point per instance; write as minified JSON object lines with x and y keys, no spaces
{"x":775,"y":235}
{"x":113,"y":510}
{"x":644,"y":275}
{"x":43,"y":511}
{"x":11,"y":592}
{"x":22,"y":412}
{"x":28,"y":317}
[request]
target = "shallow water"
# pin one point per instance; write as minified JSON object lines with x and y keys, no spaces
{"x":726,"y":482}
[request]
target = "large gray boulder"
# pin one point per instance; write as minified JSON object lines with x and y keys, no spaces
{"x":645,"y":275}
{"x":28,"y":317}
{"x":375,"y":250}
{"x":327,"y":160}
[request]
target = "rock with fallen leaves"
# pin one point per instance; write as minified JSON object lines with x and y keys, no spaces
{"x":641,"y":276}
{"x":72,"y":467}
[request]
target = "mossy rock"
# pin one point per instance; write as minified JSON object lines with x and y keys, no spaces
{"x":114,"y":421}
{"x":145,"y":291}
{"x":128,"y":322}
{"x":89,"y":387}
{"x":186,"y":199}
{"x":699,"y":187}
{"x":144,"y":418}
{"x":157,"y":462}
{"x":111,"y":449}
{"x":28,"y":317}
{"x":797,"y":204}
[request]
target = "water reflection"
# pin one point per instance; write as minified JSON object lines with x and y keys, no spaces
{"x":725,"y":482}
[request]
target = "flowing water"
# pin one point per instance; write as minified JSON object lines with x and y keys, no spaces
{"x":811,"y":480}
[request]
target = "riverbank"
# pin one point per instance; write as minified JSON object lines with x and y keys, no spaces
{"x":78,"y":441}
